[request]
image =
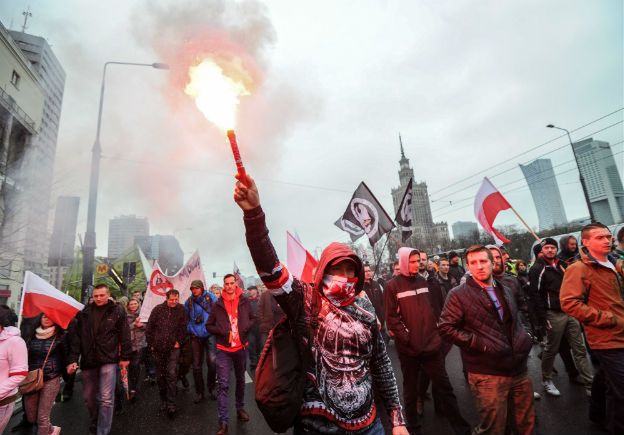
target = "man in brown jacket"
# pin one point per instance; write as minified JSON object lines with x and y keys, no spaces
{"x":592,"y":292}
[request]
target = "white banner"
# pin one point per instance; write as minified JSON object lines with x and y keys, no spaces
{"x":159,"y":284}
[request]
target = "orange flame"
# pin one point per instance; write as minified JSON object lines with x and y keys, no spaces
{"x":217,"y":88}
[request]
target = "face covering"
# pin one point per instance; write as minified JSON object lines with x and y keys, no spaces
{"x":339,"y":290}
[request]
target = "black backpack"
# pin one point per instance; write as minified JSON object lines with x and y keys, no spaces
{"x":281,"y":371}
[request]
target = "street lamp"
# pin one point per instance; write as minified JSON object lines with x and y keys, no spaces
{"x":581,"y":178}
{"x":88,"y":248}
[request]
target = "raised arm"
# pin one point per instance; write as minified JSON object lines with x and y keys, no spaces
{"x":273,"y":273}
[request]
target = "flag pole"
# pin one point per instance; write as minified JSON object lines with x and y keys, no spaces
{"x":525,"y":224}
{"x":381,"y":255}
{"x":516,"y":213}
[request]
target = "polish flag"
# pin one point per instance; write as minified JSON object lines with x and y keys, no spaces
{"x":300,"y":262}
{"x":488,"y":203}
{"x":41,"y":297}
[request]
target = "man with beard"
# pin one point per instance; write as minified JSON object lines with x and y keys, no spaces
{"x":481,"y":317}
{"x":455,"y":269}
{"x":512,"y":283}
{"x":569,"y":252}
{"x":422,"y":266}
{"x":545,"y":279}
{"x":412,"y":311}
{"x":347,"y":353}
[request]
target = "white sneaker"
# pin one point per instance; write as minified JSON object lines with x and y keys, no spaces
{"x":56,"y":430}
{"x":536,"y":395}
{"x":550,"y":388}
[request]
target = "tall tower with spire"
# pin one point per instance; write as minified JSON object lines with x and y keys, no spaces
{"x":426,"y":234}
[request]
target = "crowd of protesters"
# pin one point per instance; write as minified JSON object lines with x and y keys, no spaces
{"x":566,"y":301}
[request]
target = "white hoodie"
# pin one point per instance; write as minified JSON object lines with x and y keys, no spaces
{"x":13,"y":361}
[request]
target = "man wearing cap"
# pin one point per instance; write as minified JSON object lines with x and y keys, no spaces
{"x":198,"y":308}
{"x":455,"y":269}
{"x":545,"y":278}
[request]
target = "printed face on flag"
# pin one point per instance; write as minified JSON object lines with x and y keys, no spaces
{"x":406,"y":209}
{"x":404,"y":213}
{"x":366,"y":214}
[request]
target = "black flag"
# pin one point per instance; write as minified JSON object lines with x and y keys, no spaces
{"x":364,"y":215}
{"x":404,"y":213}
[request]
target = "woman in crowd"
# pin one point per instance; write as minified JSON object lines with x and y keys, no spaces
{"x":139,"y":345}
{"x":47,"y":349}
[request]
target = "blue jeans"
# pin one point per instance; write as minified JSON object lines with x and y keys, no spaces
{"x":98,"y":389}
{"x":612,"y":364}
{"x":374,"y":429}
{"x":225,"y":362}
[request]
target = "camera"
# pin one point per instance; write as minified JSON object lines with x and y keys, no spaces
{"x":199,"y":320}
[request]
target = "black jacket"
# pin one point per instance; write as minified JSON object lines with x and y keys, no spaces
{"x":106,"y":344}
{"x":413,"y":306}
{"x":544,"y":285}
{"x":219,"y":321}
{"x":446,"y":285}
{"x":165,"y":326}
{"x":470,"y":320}
{"x":457,"y":272}
{"x":375,"y":294}
{"x":38,"y":349}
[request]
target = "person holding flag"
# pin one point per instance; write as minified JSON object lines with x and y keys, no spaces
{"x":339,"y":394}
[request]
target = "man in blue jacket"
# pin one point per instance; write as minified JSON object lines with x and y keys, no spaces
{"x":198,"y":308}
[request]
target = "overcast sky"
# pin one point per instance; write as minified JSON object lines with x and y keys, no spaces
{"x":469,"y":84}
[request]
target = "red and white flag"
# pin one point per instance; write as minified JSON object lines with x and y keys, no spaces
{"x":300,"y":262}
{"x":488,"y":203}
{"x":40,"y":296}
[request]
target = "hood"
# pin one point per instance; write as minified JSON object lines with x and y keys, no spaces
{"x":404,"y":255}
{"x":8,"y":332}
{"x":330,"y":253}
{"x":237,"y":294}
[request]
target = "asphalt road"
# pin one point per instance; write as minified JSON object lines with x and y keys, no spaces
{"x":565,"y":415}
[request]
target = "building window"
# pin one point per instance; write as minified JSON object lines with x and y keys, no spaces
{"x":15,"y":79}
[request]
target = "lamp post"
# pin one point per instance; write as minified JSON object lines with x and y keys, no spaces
{"x":88,"y":248}
{"x":581,"y":178}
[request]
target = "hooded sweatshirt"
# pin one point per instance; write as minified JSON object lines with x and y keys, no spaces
{"x":348,"y":353}
{"x":413,"y":306}
{"x":13,"y":361}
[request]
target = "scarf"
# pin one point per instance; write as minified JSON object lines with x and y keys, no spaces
{"x":339,"y":290}
{"x":45,"y":333}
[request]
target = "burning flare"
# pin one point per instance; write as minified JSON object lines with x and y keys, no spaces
{"x":217,"y":90}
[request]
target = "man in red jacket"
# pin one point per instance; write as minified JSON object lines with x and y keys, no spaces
{"x":230,"y":321}
{"x":412,"y":311}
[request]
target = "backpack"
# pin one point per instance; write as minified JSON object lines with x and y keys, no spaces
{"x":281,"y":370}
